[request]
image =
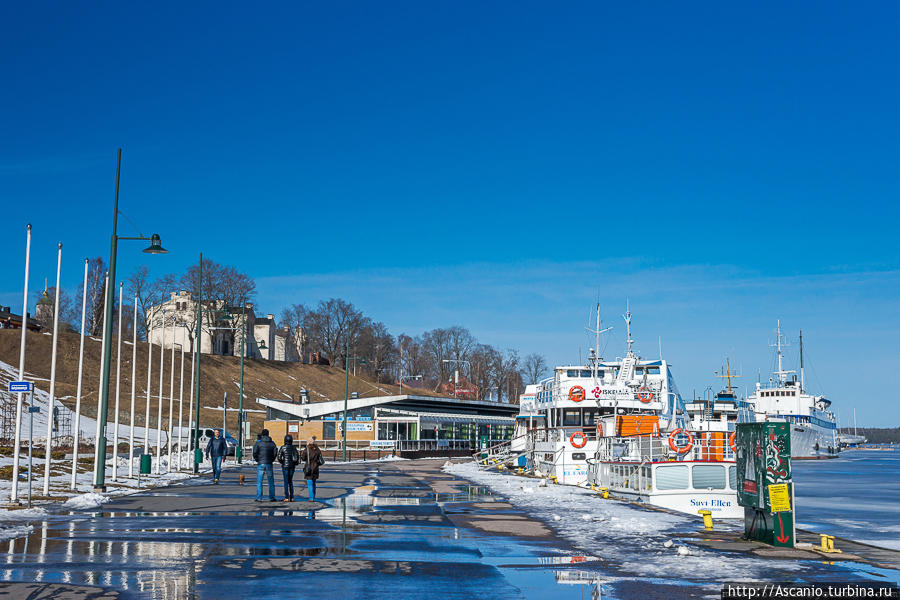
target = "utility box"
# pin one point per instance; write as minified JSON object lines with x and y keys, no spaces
{"x":145,"y":464}
{"x":765,"y":486}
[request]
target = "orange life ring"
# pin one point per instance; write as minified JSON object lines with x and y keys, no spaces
{"x":682,"y":449}
{"x":731,"y":441}
{"x":583,"y":440}
{"x":576,"y":393}
{"x":644,"y":395}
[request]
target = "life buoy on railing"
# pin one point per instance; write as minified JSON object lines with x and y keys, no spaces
{"x":731,"y":442}
{"x":581,"y":437}
{"x":576,"y":393}
{"x":644,"y":395}
{"x":681,"y":449}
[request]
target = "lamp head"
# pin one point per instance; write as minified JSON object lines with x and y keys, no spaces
{"x":155,"y":246}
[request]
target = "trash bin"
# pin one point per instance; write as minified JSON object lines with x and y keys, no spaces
{"x":145,"y":464}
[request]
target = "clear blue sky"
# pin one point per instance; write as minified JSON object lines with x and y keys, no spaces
{"x":494,"y":165}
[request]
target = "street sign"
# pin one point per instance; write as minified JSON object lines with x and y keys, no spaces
{"x":34,"y":409}
{"x":19,"y":386}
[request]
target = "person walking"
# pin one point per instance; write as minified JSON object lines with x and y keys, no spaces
{"x":216,"y":450}
{"x":289,"y":459}
{"x":312,"y":457}
{"x":264,"y":451}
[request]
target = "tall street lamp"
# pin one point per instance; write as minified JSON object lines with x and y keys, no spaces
{"x":154,"y":248}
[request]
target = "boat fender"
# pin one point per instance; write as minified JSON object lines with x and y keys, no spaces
{"x":599,"y":429}
{"x":582,"y":440}
{"x":681,"y":449}
{"x":576,"y":393}
{"x":644,"y":395}
{"x":731,"y":441}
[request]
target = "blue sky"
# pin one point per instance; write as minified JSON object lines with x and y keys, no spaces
{"x":496,"y":165}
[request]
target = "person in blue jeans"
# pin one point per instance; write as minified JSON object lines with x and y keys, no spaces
{"x":264,"y":451}
{"x":216,"y":450}
{"x":312,"y":456}
{"x":289,"y":458}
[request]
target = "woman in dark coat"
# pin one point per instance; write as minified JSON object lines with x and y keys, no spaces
{"x":312,"y":459}
{"x":289,"y":458}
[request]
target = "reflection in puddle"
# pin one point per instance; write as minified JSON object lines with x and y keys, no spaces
{"x":176,"y":554}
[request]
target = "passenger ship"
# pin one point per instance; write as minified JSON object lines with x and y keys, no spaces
{"x":813,"y":426}
{"x":692,"y":468}
{"x":565,"y":415}
{"x":622,"y":425}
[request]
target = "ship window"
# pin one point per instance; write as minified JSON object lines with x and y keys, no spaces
{"x":590,"y":417}
{"x":709,"y":476}
{"x":652,"y":370}
{"x":572,"y":373}
{"x":674,"y":477}
{"x":571,"y":417}
{"x":732,"y":477}
{"x":586,"y":373}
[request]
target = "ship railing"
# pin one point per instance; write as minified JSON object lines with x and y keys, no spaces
{"x":652,"y":447}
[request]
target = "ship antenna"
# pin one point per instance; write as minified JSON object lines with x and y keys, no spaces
{"x":596,"y":353}
{"x":627,"y":317}
{"x":802,"y":379}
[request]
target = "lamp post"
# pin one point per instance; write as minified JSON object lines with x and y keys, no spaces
{"x":198,"y":328}
{"x":155,"y":248}
{"x":347,"y":359}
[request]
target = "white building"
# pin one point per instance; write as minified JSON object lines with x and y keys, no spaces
{"x":223,"y":328}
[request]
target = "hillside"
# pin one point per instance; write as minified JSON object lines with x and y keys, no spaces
{"x":262,"y":379}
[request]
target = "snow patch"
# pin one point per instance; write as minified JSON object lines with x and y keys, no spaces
{"x":8,"y":533}
{"x":86,"y":501}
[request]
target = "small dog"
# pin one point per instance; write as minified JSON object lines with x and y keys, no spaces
{"x":241,"y":479}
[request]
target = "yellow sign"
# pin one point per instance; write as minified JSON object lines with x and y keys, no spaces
{"x":779,"y":497}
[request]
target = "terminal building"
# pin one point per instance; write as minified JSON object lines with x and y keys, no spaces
{"x":401,"y":422}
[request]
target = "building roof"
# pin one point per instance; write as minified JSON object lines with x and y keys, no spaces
{"x":420,"y":404}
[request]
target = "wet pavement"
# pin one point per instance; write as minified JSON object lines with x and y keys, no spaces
{"x":402,"y":529}
{"x":377,"y":530}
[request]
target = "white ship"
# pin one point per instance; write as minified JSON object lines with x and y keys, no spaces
{"x":813,"y":426}
{"x":623,"y":426}
{"x":687,"y":468}
{"x":563,"y":417}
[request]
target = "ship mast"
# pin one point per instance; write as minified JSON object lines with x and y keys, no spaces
{"x":627,"y":317}
{"x":802,"y":379}
{"x":595,"y":352}
{"x":728,"y":375}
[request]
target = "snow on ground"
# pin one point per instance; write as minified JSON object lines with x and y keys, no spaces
{"x":8,"y":533}
{"x":86,"y":425}
{"x":86,"y":501}
{"x":635,"y":539}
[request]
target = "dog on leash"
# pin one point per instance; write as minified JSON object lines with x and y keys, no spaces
{"x":241,"y":479}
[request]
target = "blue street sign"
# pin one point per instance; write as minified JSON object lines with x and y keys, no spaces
{"x":34,"y":409}
{"x":19,"y":386}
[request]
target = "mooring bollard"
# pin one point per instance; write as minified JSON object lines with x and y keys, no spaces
{"x":707,"y":519}
{"x":827,"y":544}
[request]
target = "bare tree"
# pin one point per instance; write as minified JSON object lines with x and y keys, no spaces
{"x":533,"y":368}
{"x":95,"y":290}
{"x":219,"y":283}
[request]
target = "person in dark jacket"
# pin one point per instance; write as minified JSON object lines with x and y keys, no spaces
{"x":216,"y":450}
{"x":264,"y":451}
{"x":289,"y":459}
{"x":312,"y":458}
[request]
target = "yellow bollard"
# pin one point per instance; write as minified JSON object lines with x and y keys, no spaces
{"x":707,"y":519}
{"x":553,"y":477}
{"x":603,"y":491}
{"x":827,"y":544}
{"x":520,"y":471}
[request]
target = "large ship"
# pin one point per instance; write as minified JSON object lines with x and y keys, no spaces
{"x":563,"y":418}
{"x":784,"y":398}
